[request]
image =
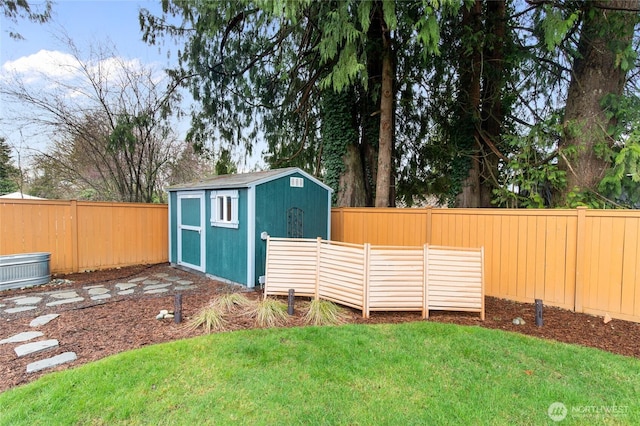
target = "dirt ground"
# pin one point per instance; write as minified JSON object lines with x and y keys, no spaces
{"x":97,"y":330}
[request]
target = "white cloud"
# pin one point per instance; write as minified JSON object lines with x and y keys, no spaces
{"x":46,"y":63}
{"x":57,"y":66}
{"x":111,"y":67}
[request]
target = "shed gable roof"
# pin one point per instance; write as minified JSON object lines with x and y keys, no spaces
{"x":244,"y":180}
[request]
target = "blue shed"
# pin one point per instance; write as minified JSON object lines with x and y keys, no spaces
{"x":218,"y":226}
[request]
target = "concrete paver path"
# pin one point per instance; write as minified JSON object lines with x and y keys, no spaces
{"x":52,"y":304}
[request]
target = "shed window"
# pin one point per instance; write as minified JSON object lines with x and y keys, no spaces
{"x":224,"y":209}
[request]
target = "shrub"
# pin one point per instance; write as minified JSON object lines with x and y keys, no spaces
{"x":269,"y":313}
{"x":323,"y":312}
{"x":230,"y":301}
{"x":209,"y":317}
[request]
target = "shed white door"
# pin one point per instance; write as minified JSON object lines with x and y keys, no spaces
{"x":191,"y":238}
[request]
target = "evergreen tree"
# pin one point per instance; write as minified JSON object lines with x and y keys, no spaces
{"x":602,"y":60}
{"x":15,"y":10}
{"x":8,"y":172}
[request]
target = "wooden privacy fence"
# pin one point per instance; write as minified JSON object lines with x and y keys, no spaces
{"x":584,"y":260}
{"x":377,"y":278}
{"x":85,"y":235}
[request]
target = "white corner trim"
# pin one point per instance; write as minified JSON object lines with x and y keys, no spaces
{"x":251,"y":230}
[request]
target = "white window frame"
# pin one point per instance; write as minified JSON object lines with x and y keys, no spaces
{"x":221,"y":218}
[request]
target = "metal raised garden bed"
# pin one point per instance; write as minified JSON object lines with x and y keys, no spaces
{"x":24,"y":270}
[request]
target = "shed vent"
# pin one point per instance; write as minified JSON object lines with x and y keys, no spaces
{"x":296,"y":182}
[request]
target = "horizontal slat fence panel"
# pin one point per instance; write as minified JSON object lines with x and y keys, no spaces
{"x":455,"y":279}
{"x":396,"y":279}
{"x":85,"y":235}
{"x":291,"y":264}
{"x":372,"y":278}
{"x":341,"y":274}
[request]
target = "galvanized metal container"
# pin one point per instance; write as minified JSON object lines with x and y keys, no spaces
{"x":24,"y":270}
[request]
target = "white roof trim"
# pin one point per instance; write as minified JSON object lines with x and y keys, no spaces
{"x":221,"y":183}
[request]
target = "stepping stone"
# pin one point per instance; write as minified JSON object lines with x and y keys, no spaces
{"x":22,"y":337}
{"x":21,"y":309}
{"x":64,"y":301}
{"x":43,"y":319}
{"x":150,"y":282}
{"x":65,"y":295}
{"x":157,"y":290}
{"x":161,"y":275}
{"x":125,"y":292}
{"x":51,"y":362}
{"x":125,"y":286}
{"x":172,"y":279}
{"x":137,"y":280}
{"x":101,"y":297}
{"x":184,"y":282}
{"x":28,"y":300}
{"x":34,"y":347}
{"x":10,"y":299}
{"x":182,"y":287}
{"x":98,"y":290}
{"x":89,"y":287}
{"x":2,"y":305}
{"x":156,"y":286}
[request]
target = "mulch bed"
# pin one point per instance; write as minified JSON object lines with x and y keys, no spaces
{"x":97,"y":330}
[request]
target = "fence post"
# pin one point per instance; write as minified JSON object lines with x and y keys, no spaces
{"x":265,"y":289}
{"x":365,"y":280}
{"x":482,"y":283}
{"x":580,"y":257}
{"x":318,"y":248}
{"x":75,"y":262}
{"x":428,"y":225}
{"x":425,"y":281}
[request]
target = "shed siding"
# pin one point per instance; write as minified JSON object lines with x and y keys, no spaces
{"x":226,"y":248}
{"x":274,"y":199}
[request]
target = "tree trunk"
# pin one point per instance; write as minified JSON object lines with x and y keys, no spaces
{"x":340,"y":153}
{"x":493,"y":83}
{"x":385,"y":146}
{"x":369,"y":111}
{"x":469,"y":197}
{"x":606,"y":31}
{"x":352,"y":191}
{"x":469,"y":100}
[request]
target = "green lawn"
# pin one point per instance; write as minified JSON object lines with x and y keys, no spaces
{"x":415,"y":373}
